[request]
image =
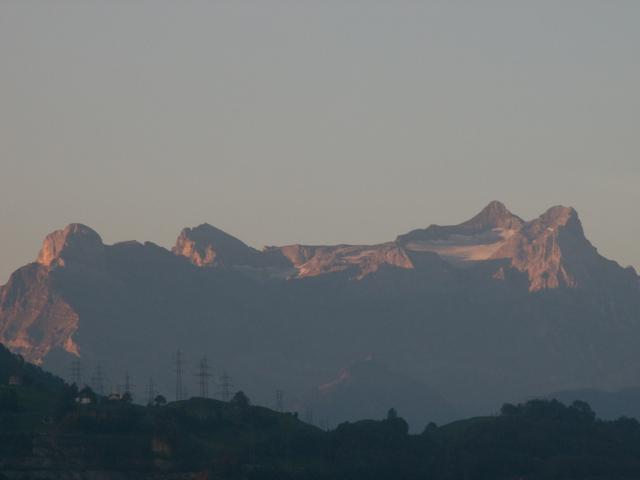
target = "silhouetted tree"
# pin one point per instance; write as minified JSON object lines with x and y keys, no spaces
{"x":509,"y":409}
{"x":240,"y":400}
{"x":86,"y":392}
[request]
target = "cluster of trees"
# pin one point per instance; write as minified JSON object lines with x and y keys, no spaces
{"x":536,"y":440}
{"x":539,"y":439}
{"x":9,"y":401}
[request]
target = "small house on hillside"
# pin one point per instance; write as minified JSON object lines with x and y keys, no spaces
{"x":86,"y":396}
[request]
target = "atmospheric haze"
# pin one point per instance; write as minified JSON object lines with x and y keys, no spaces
{"x":314,"y":122}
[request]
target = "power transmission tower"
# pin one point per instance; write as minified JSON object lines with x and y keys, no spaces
{"x":225,"y":387}
{"x":179,"y":371}
{"x":97,"y":380}
{"x":324,"y":424}
{"x":203,"y":377}
{"x":280,"y":400}
{"x":76,"y":372}
{"x":151,"y":391}
{"x":128,"y":385}
{"x":308,"y":416}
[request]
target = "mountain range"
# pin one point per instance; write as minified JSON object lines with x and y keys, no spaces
{"x":495,"y":308}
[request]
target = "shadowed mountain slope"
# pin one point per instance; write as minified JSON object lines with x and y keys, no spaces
{"x":491,"y":309}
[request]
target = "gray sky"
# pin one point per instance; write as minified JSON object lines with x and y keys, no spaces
{"x":315,"y":122}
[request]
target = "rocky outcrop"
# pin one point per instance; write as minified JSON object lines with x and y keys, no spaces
{"x":356,"y":260}
{"x":554,"y":253}
{"x":208,"y":246}
{"x":34,"y":317}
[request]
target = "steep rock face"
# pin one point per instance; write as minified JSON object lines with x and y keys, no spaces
{"x":34,"y":318}
{"x":76,"y":246}
{"x":554,"y":252}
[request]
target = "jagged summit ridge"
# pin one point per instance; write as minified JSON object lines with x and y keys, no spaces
{"x":554,"y":252}
{"x":551,"y":250}
{"x":494,"y":215}
{"x":555,"y":217}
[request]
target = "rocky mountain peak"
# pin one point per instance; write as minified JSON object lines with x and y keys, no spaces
{"x":206,"y":245}
{"x":74,"y":244}
{"x":555,"y":218}
{"x":494,"y":215}
{"x":561,"y":216}
{"x":553,"y":250}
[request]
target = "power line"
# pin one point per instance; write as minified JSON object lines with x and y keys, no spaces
{"x":128,"y":385}
{"x":179,"y":371}
{"x":151,"y":391}
{"x":76,"y":372}
{"x":308,"y":416}
{"x":203,"y":377}
{"x":98,"y":379}
{"x":324,"y":424}
{"x":225,"y":386}
{"x":280,"y":400}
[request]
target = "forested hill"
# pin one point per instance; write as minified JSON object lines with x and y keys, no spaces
{"x":45,"y":432}
{"x":12,"y":365}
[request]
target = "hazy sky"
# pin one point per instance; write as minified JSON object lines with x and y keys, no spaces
{"x":325,"y":121}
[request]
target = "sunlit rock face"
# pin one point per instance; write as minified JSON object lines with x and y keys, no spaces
{"x":553,"y":251}
{"x":357,"y":260}
{"x":34,"y":317}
